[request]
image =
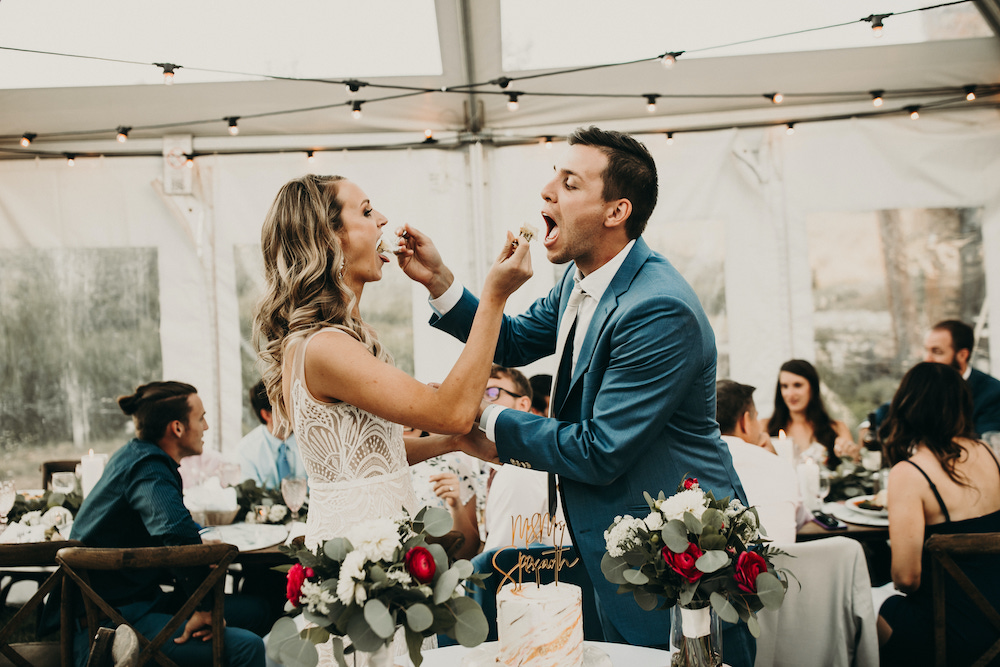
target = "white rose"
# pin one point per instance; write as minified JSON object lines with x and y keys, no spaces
{"x":33,"y":518}
{"x":277,"y":513}
{"x":692,"y":500}
{"x":654,"y":521}
{"x":377,"y":539}
{"x":351,"y":572}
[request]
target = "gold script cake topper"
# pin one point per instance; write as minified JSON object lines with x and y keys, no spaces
{"x":534,"y":529}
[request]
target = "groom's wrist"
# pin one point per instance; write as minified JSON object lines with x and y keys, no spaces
{"x":440,"y":283}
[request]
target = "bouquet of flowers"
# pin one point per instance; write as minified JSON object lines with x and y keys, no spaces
{"x":379,"y":575}
{"x":694,"y":551}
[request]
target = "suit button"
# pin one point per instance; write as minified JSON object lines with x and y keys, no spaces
{"x":527,"y":465}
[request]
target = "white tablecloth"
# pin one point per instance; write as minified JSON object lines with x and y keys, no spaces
{"x":622,"y":655}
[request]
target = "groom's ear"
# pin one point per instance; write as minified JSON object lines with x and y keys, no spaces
{"x":617,"y":213}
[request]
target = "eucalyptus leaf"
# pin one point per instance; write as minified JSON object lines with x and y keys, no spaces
{"x":635,"y":577}
{"x":712,"y":542}
{"x":645,"y":600}
{"x":414,"y":640}
{"x":713,"y":519}
{"x":337,"y":548}
{"x":377,"y":573}
{"x":440,"y":557}
{"x":378,"y":617}
{"x":300,"y":653}
{"x":612,"y":568}
{"x":465,"y":568}
{"x":687,"y":593}
{"x":753,"y":626}
{"x":675,"y":536}
{"x":649,"y":499}
{"x":362,"y":635}
{"x":710,"y":561}
{"x":770,"y":590}
{"x":316,"y":635}
{"x":338,"y":651}
{"x":692,"y":523}
{"x":444,"y":588}
{"x":726,"y":611}
{"x":317,"y":618}
{"x":437,"y":521}
{"x":419,"y":617}
{"x":283,"y":630}
{"x":471,"y":627}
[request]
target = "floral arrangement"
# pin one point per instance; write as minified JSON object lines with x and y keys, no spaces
{"x":27,"y":504}
{"x":248,"y":495}
{"x":693,"y":550}
{"x":379,"y":575}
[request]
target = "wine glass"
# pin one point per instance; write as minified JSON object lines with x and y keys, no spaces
{"x":823,"y":488}
{"x":871,"y":459}
{"x":8,"y":494}
{"x":293,"y":490}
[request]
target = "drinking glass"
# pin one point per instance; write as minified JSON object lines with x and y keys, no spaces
{"x":63,"y":482}
{"x":823,"y":489}
{"x":8,"y":494}
{"x":871,"y":459}
{"x":293,"y":490}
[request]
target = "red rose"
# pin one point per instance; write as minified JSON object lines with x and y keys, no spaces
{"x":683,"y":563}
{"x":420,"y":564}
{"x":293,"y":589}
{"x":688,"y":483}
{"x":748,"y":566}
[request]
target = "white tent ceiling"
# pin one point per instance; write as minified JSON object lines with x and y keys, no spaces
{"x":83,"y":119}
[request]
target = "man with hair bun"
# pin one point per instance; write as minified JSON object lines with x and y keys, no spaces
{"x":139,"y":502}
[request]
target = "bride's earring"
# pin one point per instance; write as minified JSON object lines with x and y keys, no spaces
{"x":340,"y":273}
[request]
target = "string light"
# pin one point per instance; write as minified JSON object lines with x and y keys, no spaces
{"x":123,"y":131}
{"x":651,"y":102}
{"x":234,"y":129}
{"x":512,"y":104}
{"x":970,"y":93}
{"x":670,"y":138}
{"x":27,"y":138}
{"x":310,"y":156}
{"x":877,"y":97}
{"x":547,"y":141}
{"x":503,"y":81}
{"x":168,"y":72}
{"x":876,"y":21}
{"x":776,"y":98}
{"x":353,"y":86}
{"x":914,"y":112}
{"x":669,"y":59}
{"x":189,"y":161}
{"x":356,"y":109}
{"x":789,"y":129}
{"x":70,"y":159}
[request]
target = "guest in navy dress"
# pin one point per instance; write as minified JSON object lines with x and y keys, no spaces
{"x":943,"y":481}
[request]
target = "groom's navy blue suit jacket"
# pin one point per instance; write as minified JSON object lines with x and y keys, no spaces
{"x":639,"y":414}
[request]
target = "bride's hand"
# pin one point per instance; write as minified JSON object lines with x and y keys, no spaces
{"x":476,"y":444}
{"x":511,"y":269}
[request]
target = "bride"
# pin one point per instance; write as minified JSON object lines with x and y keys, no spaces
{"x":328,"y":377}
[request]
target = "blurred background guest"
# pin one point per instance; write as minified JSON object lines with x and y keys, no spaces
{"x":264,"y":457}
{"x":800,"y":413}
{"x":541,"y":385}
{"x":942,"y":481}
{"x":770,"y":481}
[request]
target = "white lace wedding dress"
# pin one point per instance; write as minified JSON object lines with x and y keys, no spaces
{"x":357,"y":468}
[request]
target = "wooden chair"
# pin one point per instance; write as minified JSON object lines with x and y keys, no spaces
{"x":942,"y":548}
{"x":35,"y":653}
{"x":78,"y":562}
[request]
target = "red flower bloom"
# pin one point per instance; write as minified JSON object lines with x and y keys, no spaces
{"x":748,"y":566}
{"x":293,"y":589}
{"x":683,"y":563}
{"x":420,"y":564}
{"x":688,"y":483}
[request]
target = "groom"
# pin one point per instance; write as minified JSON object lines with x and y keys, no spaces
{"x":634,"y":400}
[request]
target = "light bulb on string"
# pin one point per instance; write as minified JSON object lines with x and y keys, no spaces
{"x":122,"y":135}
{"x":776,"y":98}
{"x":651,"y":103}
{"x":877,"y":97}
{"x":356,"y":110}
{"x":512,"y":104}
{"x":168,"y":72}
{"x":353,"y":86}
{"x":234,"y":129}
{"x":189,"y":161}
{"x":670,"y":138}
{"x":876,"y":21}
{"x":914,"y":112}
{"x":970,"y":93}
{"x":310,"y":157}
{"x":789,"y":129}
{"x":27,"y":138}
{"x":546,"y":141}
{"x":70,"y":159}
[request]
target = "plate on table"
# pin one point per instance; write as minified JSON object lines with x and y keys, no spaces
{"x":859,"y":504}
{"x":848,"y":515}
{"x":248,"y":536}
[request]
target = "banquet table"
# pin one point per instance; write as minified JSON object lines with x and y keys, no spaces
{"x":621,"y":655}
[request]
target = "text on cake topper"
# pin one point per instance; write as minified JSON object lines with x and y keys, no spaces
{"x":530,"y":531}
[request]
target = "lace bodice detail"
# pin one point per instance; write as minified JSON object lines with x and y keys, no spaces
{"x":356,"y":461}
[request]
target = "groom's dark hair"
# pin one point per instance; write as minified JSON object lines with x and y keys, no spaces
{"x":631,"y":172}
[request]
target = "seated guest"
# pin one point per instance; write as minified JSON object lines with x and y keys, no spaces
{"x":800,"y":413}
{"x":541,"y":385}
{"x":264,"y":457}
{"x":770,"y":481}
{"x":942,"y":481}
{"x":138,"y":502}
{"x":515,"y":491}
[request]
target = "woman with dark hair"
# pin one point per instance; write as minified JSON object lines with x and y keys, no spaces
{"x":943,"y":481}
{"x":800,"y":413}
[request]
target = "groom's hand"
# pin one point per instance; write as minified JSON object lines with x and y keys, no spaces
{"x":475,"y":443}
{"x":421,"y":261}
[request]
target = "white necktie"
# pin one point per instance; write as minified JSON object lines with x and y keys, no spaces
{"x":569,"y":317}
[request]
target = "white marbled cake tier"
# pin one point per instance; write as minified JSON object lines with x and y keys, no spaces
{"x":540,"y":626}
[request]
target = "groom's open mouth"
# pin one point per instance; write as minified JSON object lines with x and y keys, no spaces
{"x":551,"y":231}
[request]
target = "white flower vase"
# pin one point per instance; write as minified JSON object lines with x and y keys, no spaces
{"x":696,"y":636}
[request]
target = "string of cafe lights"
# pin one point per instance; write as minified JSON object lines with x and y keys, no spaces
{"x":353,"y":86}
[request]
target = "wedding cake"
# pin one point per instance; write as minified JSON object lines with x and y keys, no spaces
{"x":540,"y":626}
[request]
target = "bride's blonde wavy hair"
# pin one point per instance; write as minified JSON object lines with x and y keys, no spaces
{"x":304,"y":287}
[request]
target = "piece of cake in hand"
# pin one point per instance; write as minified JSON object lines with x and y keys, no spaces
{"x":388,"y":242}
{"x":540,"y":626}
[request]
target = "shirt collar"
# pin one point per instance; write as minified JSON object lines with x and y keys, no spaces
{"x":968,"y":373}
{"x":596,"y":283}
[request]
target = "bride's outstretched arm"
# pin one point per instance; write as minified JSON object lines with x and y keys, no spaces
{"x":339,"y":368}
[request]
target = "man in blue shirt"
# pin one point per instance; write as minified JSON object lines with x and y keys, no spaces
{"x":265,"y":458}
{"x":138,"y":502}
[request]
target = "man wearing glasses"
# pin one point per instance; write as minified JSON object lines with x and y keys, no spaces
{"x":514,"y":490}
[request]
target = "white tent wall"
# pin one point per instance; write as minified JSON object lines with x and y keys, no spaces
{"x":760,"y":184}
